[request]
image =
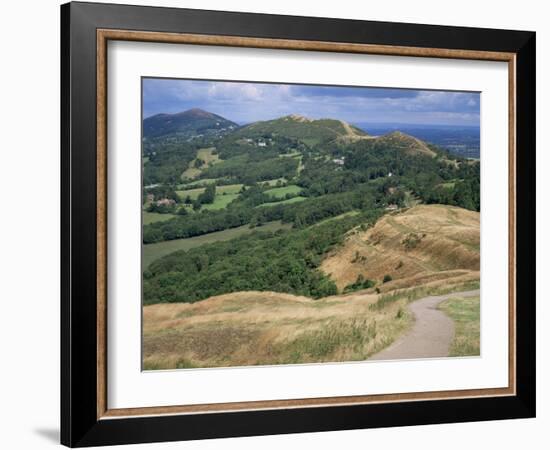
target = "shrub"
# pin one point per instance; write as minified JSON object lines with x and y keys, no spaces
{"x":387,"y":278}
{"x":412,"y":240}
{"x":360,"y":283}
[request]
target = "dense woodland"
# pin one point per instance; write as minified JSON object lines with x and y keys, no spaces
{"x":281,"y":261}
{"x":328,"y":173}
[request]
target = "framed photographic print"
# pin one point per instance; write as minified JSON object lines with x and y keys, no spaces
{"x":276,"y":224}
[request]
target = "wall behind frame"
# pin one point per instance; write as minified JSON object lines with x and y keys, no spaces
{"x":29,"y":181}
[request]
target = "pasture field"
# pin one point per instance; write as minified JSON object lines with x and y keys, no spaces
{"x":209,"y":158}
{"x":151,"y":217}
{"x":193,"y":193}
{"x":220,"y":201}
{"x":155,"y":251}
{"x":191,"y":173}
{"x":229,"y":188}
{"x":280,"y":192}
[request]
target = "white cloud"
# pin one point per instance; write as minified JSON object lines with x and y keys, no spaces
{"x":246,"y":102}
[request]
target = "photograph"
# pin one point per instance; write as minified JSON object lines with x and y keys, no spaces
{"x":303,"y":224}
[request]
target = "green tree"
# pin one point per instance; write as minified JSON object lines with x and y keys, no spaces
{"x":208,"y":196}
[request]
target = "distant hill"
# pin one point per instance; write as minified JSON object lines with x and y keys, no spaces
{"x":309,"y":131}
{"x":462,"y":141}
{"x":192,"y":122}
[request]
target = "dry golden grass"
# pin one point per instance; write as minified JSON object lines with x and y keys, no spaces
{"x":251,"y":328}
{"x":422,"y":244}
{"x":209,"y":159}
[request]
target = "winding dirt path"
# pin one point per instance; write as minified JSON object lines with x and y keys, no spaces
{"x":431,"y":334}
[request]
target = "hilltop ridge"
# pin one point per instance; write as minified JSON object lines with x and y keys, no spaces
{"x":191,"y":121}
{"x":309,"y":131}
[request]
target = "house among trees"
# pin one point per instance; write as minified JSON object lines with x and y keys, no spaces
{"x":166,"y":202}
{"x":339,"y":161}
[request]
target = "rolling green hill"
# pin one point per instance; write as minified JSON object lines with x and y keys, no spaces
{"x":311,"y":132}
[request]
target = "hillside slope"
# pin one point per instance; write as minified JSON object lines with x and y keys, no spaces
{"x":409,"y":144}
{"x":422,"y":244}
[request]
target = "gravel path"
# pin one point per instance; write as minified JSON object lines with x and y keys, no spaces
{"x":431,"y":334}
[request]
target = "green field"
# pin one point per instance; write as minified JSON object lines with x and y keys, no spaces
{"x":465,"y":312}
{"x":220,"y":201}
{"x":280,"y":192}
{"x":229,"y":189}
{"x":220,"y":190}
{"x":283,"y":202}
{"x":192,"y":193}
{"x":150,"y":217}
{"x":152,"y":252}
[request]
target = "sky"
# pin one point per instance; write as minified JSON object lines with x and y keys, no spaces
{"x":245,"y":102}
